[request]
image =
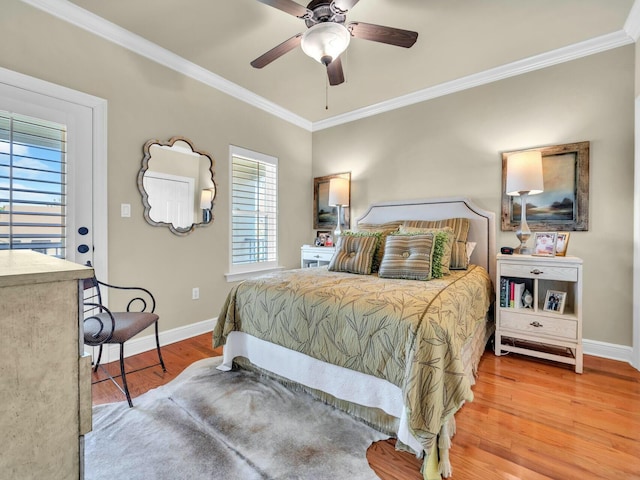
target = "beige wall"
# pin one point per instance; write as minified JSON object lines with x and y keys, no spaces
{"x":451,"y":146}
{"x":146,"y":100}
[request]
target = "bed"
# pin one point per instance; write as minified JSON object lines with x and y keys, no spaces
{"x":399,"y":353}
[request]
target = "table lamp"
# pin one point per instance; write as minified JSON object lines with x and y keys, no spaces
{"x":338,"y":197}
{"x":524,"y":178}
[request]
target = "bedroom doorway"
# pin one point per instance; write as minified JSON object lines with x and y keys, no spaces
{"x":53,"y":170}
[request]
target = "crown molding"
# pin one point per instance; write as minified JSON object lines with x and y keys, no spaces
{"x":97,"y":25}
{"x":92,"y":23}
{"x":632,"y":25}
{"x":537,"y":62}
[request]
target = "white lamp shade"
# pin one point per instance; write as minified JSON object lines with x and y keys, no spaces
{"x":325,"y":41}
{"x":524,"y":173}
{"x":206,"y":196}
{"x":338,"y":192}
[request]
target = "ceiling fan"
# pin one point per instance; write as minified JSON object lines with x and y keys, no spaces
{"x":328,"y":35}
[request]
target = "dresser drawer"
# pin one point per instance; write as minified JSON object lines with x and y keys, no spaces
{"x":543,"y":272}
{"x":539,"y":325}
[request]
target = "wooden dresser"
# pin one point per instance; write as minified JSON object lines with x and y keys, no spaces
{"x":45,"y":381}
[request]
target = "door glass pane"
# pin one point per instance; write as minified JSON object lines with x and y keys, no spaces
{"x":33,"y":187}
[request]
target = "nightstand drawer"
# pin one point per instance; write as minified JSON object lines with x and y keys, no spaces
{"x":315,"y":255}
{"x":539,"y":325}
{"x":543,"y":272}
{"x":312,"y":256}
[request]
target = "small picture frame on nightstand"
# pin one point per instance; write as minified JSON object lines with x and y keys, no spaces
{"x":544,"y":244}
{"x":561,"y":244}
{"x":554,"y":301}
{"x":324,"y":239}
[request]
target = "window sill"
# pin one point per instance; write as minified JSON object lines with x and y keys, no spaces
{"x":236,"y":277}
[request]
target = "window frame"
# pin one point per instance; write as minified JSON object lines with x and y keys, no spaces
{"x":246,"y":270}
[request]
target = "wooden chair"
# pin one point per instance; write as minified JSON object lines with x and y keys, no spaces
{"x":103,"y":326}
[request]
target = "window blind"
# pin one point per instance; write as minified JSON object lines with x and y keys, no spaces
{"x":254,"y":210}
{"x":32,"y":184}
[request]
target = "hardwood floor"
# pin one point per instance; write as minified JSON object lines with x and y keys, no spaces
{"x":530,"y":419}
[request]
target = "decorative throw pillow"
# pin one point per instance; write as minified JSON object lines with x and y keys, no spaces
{"x":383,"y":229}
{"x":460,"y":226}
{"x":408,"y":256}
{"x":379,"y":240}
{"x":449,"y":239}
{"x":354,"y":254}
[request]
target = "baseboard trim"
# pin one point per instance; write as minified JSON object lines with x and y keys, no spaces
{"x":111,"y":353}
{"x":612,"y":351}
{"x":135,"y":346}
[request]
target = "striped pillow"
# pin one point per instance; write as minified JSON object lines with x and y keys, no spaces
{"x":383,"y":229}
{"x":408,"y":257}
{"x":354,"y":254}
{"x":460,"y":226}
{"x":447,"y":247}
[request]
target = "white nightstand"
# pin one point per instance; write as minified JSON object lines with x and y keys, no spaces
{"x":553,"y":330}
{"x":311,"y":256}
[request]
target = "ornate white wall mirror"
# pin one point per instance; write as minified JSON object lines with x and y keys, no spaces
{"x":177,"y":185}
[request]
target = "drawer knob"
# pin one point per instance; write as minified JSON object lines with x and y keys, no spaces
{"x":535,"y":324}
{"x":316,"y":256}
{"x":535,"y":271}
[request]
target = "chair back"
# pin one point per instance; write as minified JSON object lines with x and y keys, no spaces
{"x":98,"y":321}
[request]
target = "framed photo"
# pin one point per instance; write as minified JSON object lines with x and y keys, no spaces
{"x":324,"y":239}
{"x":561,"y":244}
{"x":554,"y":301}
{"x":544,"y":244}
{"x":324,"y":216}
{"x":564,"y":204}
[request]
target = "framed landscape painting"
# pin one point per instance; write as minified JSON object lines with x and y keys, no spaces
{"x":564,"y":203}
{"x":324,"y":216}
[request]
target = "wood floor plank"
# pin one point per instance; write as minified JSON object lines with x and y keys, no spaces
{"x":530,"y":419}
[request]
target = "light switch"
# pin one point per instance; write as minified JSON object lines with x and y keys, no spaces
{"x":125,"y":210}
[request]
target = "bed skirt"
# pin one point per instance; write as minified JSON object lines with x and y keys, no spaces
{"x":375,"y":401}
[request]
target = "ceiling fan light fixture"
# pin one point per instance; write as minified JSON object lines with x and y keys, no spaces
{"x":325,"y":41}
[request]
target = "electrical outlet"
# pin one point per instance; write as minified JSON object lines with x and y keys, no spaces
{"x":195,"y":293}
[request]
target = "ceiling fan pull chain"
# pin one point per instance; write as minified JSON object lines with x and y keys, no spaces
{"x":326,"y":93}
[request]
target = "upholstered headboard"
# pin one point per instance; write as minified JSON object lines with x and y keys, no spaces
{"x":482,"y":222}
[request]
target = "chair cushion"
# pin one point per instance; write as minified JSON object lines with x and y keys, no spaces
{"x":128,"y":324}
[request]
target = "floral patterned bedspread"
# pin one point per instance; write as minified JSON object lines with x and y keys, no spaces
{"x":407,"y":332}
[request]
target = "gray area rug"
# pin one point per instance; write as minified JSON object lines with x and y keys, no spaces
{"x":208,"y":424}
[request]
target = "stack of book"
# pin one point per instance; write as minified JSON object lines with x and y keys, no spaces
{"x":511,"y":292}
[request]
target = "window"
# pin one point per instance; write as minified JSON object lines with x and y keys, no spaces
{"x":254,"y":211}
{"x":32,"y":184}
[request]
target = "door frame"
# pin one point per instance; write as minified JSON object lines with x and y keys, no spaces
{"x":635,"y":345}
{"x":98,"y":107}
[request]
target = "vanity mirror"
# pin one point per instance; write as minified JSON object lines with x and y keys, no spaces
{"x":177,"y":185}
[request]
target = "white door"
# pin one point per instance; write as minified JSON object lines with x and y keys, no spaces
{"x":75,"y":206}
{"x":170,"y":198}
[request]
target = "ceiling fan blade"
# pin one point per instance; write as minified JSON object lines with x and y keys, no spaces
{"x":345,"y":5}
{"x":335,"y":72}
{"x":276,"y":52}
{"x":378,"y":33}
{"x":290,"y":7}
